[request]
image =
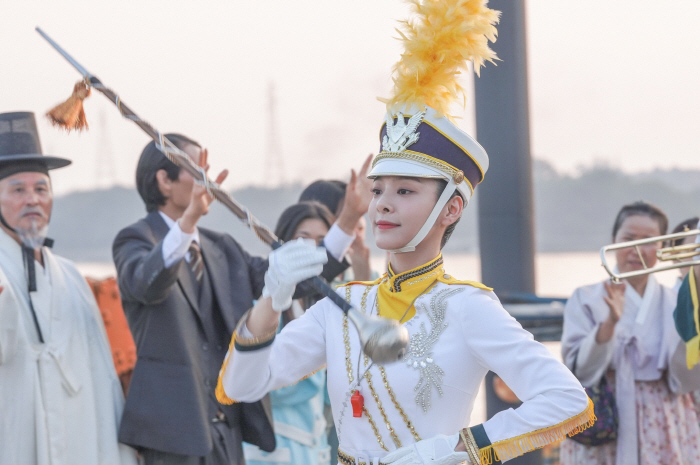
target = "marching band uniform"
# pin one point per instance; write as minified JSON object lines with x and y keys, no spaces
{"x":413,"y":411}
{"x":657,"y":420}
{"x":459,"y":332}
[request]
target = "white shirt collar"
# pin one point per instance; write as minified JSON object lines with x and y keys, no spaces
{"x":171,"y":222}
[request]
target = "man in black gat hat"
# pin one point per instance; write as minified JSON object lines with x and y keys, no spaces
{"x":60,"y":398}
{"x":183,"y":289}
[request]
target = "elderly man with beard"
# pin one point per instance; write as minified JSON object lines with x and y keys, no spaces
{"x":60,"y":398}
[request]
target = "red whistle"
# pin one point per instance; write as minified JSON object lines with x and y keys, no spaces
{"x":357,"y":402}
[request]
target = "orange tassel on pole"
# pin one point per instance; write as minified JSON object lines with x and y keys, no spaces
{"x":70,"y":115}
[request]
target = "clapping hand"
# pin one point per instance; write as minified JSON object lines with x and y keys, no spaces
{"x":201,"y":197}
{"x":615,"y":299}
{"x":616,"y":303}
{"x":358,"y":195}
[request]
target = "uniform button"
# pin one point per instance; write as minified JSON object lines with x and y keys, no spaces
{"x":446,"y":276}
{"x":205,"y":346}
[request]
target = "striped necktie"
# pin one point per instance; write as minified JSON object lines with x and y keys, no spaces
{"x":196,"y":263}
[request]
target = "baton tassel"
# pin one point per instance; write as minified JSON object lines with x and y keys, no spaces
{"x":70,"y":115}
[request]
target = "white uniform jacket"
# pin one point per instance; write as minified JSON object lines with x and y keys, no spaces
{"x":458,"y":334}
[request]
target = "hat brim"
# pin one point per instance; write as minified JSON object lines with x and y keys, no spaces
{"x":51,"y":162}
{"x":414,"y":169}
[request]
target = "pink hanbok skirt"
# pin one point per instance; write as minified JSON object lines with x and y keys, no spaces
{"x":667,"y":425}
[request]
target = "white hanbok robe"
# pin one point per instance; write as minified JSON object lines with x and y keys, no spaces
{"x":473,"y":335}
{"x":61,"y":401}
{"x":645,"y":347}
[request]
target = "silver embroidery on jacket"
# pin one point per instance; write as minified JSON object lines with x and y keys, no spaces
{"x":420,"y":355}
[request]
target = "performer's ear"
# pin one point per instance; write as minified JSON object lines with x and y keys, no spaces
{"x":165,"y":184}
{"x":452,"y":211}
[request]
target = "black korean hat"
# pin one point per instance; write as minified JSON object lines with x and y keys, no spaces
{"x":20,"y":149}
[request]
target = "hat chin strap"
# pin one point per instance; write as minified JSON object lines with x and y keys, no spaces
{"x":427,"y":226}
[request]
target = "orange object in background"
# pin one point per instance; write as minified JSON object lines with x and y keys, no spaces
{"x":120,"y":339}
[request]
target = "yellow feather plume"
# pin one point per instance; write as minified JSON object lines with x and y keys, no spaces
{"x":439,"y":42}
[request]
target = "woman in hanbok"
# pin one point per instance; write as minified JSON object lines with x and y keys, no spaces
{"x":414,"y":411}
{"x":297,"y":410}
{"x":625,"y":332}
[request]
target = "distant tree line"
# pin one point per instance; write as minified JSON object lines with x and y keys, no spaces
{"x":572,"y":212}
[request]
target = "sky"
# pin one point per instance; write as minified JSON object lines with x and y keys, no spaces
{"x":609,"y":82}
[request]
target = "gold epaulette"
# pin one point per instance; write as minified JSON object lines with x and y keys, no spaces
{"x":449,"y":279}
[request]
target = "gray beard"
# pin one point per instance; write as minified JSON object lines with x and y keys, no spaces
{"x":33,"y":237}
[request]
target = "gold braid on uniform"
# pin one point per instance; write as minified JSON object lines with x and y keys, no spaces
{"x":348,"y":364}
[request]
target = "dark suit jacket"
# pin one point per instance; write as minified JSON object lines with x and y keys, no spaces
{"x":167,"y":404}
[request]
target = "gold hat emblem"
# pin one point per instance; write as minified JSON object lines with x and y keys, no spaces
{"x":458,"y":177}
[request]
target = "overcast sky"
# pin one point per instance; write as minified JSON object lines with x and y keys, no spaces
{"x":613,"y":81}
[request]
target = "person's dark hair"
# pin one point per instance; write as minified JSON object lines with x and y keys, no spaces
{"x":293,"y":216}
{"x":442,"y":184}
{"x":150,"y":162}
{"x":329,"y":193}
{"x":644,"y":209}
{"x":685,"y":225}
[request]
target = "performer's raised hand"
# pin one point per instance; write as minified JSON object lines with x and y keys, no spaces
{"x":358,"y":195}
{"x":201,"y":198}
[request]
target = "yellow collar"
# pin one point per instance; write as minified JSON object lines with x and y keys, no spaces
{"x":407,"y":280}
{"x":397,"y":292}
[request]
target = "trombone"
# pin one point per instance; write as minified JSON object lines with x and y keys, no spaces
{"x":664,"y":254}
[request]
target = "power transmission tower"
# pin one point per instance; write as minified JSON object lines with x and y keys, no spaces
{"x":274,"y":160}
{"x":105,"y":173}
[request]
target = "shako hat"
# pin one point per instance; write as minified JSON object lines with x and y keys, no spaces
{"x":418,"y":137}
{"x":20,"y":149}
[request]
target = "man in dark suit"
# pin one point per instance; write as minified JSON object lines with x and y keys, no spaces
{"x":183,"y":289}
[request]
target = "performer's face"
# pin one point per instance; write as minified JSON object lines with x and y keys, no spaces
{"x":26,"y":200}
{"x":633,"y":228}
{"x":399,"y":209}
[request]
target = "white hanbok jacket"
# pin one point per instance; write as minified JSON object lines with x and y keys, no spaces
{"x":458,"y":334}
{"x":61,"y":401}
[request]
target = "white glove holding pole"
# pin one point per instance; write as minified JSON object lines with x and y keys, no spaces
{"x":294,"y":262}
{"x":438,"y":450}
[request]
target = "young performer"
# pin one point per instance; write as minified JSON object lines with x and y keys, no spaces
{"x":414,"y":411}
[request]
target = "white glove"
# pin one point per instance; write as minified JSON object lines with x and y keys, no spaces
{"x":438,"y":450}
{"x":289,"y":265}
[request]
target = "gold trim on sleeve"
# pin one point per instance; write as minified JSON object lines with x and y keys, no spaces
{"x":519,"y":445}
{"x":253,"y":341}
{"x":219,"y":391}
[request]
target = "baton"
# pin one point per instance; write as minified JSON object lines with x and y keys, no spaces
{"x":382,"y":339}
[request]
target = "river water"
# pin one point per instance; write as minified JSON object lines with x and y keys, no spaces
{"x":556,"y":274}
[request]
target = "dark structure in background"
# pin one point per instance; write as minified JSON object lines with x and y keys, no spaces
{"x":506,"y":215}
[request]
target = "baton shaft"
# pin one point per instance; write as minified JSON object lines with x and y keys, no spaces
{"x":263,"y":232}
